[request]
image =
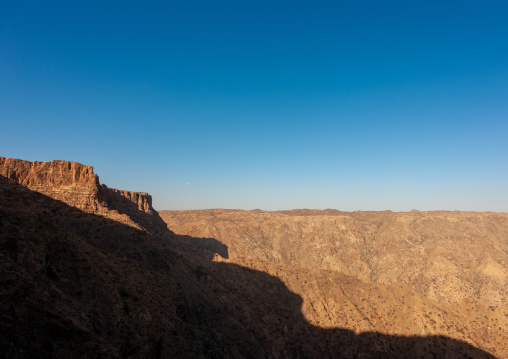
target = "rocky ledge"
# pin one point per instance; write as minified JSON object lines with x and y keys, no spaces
{"x":70,"y":182}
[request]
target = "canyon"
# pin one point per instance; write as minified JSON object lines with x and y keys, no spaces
{"x":88,"y":271}
{"x":445,"y":256}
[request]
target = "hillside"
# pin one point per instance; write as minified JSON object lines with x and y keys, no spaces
{"x":92,"y":272}
{"x":446,"y":256}
{"x":454,"y":259}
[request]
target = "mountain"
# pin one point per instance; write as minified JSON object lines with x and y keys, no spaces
{"x":87,"y":271}
{"x":454,"y":262}
{"x":446,"y":256}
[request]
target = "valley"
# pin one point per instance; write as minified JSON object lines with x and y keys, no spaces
{"x":93,"y":272}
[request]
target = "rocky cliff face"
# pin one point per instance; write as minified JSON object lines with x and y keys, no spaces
{"x":142,"y":200}
{"x":69,"y":182}
{"x":78,"y":186}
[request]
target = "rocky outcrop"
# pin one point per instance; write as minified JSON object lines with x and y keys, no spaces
{"x":142,"y":200}
{"x":78,"y":186}
{"x":133,"y":208}
{"x":69,"y":182}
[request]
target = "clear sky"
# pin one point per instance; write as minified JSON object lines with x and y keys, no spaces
{"x":353,"y":105}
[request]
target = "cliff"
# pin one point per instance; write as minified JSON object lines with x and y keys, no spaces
{"x":78,"y":186}
{"x":69,"y":182}
{"x":142,"y":200}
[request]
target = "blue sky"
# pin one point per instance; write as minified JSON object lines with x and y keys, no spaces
{"x":354,"y":105}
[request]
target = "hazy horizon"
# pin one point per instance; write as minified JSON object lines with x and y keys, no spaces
{"x":270,"y":105}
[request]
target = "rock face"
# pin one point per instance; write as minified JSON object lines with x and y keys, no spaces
{"x":69,"y":182}
{"x":78,"y":186}
{"x":141,"y":199}
{"x":102,"y":277}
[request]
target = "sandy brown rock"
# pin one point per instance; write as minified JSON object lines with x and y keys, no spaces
{"x":141,"y":199}
{"x":69,"y":182}
{"x":78,"y":186}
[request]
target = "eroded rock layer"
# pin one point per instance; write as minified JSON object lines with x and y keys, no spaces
{"x":78,"y":186}
{"x":69,"y":182}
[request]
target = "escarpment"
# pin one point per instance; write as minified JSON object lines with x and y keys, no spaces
{"x":78,"y":186}
{"x":141,"y":199}
{"x":69,"y":182}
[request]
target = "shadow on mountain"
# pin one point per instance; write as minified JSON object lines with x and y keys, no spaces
{"x":115,"y":201}
{"x":208,"y":244}
{"x":78,"y":285}
{"x":152,"y":222}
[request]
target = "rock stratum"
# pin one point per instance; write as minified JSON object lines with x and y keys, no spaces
{"x":91,"y":272}
{"x":78,"y":186}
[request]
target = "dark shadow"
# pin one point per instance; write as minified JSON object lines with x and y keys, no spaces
{"x":150,"y":220}
{"x":78,"y":285}
{"x":208,"y":244}
{"x":275,"y":316}
{"x":138,"y":207}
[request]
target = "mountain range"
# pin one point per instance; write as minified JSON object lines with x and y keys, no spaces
{"x":88,"y":271}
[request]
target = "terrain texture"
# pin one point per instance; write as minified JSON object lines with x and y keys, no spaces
{"x":453,"y":262}
{"x":87,"y":271}
{"x":446,"y":256}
